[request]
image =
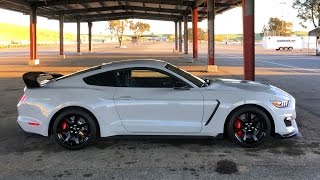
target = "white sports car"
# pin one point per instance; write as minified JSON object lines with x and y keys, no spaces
{"x":151,"y":97}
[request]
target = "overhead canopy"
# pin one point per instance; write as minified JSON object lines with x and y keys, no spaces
{"x":103,"y":10}
{"x":315,"y":32}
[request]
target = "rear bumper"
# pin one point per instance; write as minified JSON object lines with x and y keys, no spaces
{"x":27,"y":128}
{"x":28,"y":134}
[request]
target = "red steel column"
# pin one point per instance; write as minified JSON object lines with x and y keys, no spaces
{"x":90,"y":35}
{"x":195,"y":31}
{"x":248,"y":39}
{"x":61,"y":20}
{"x":185,"y":22}
{"x":211,"y":17}
{"x":176,"y":35}
{"x":180,"y":36}
{"x":78,"y":36}
{"x":33,"y":36}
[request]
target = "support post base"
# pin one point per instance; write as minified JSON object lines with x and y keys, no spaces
{"x":79,"y":53}
{"x":63,"y":56}
{"x":34,"y":62}
{"x":212,"y":68}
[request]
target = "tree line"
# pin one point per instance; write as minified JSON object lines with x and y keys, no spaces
{"x":118,"y":27}
{"x":308,"y":11}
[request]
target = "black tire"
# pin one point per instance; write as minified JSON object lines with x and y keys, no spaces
{"x":285,"y":48}
{"x":290,"y":48}
{"x":74,"y":129}
{"x":280,"y":48}
{"x":248,"y":126}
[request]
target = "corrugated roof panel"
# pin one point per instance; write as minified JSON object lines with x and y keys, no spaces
{"x":106,"y":12}
{"x":152,"y":12}
{"x":51,"y":8}
{"x":119,"y":11}
{"x":139,"y":11}
{"x":166,"y":13}
{"x":92,"y":5}
{"x":92,"y":13}
{"x":111,"y":3}
{"x":167,"y":6}
{"x":151,"y":5}
{"x":135,"y":3}
{"x":75,"y":6}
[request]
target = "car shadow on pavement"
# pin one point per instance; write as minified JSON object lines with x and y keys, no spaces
{"x":21,"y":144}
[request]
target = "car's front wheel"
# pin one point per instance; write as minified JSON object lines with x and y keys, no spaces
{"x":248,"y":126}
{"x":74,"y":129}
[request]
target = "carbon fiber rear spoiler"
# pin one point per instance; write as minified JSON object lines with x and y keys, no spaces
{"x":31,"y":78}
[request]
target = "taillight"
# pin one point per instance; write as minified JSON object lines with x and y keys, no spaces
{"x":23,"y":98}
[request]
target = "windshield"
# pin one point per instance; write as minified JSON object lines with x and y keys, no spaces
{"x":194,"y":79}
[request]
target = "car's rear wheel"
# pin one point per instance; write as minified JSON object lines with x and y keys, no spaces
{"x":74,"y":129}
{"x":248,"y":126}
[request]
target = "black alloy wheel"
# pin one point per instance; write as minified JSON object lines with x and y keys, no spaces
{"x":74,"y":129}
{"x":249,"y":126}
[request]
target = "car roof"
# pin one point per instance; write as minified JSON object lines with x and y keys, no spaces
{"x":135,"y":63}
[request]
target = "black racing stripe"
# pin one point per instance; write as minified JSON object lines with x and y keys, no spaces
{"x":214,"y":111}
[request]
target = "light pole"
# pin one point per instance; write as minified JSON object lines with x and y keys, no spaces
{"x":282,"y":21}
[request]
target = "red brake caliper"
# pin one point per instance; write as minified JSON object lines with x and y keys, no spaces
{"x":238,"y":126}
{"x":64,"y":125}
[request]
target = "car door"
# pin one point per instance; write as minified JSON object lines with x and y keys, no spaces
{"x":147,"y":102}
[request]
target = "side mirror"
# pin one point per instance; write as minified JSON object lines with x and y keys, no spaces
{"x":178,"y":85}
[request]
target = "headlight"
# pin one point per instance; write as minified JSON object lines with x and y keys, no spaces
{"x":280,"y":104}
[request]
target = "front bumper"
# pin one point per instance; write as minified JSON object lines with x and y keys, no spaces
{"x":295,"y":134}
{"x":283,"y":127}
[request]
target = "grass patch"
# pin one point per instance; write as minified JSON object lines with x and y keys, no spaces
{"x":11,"y":32}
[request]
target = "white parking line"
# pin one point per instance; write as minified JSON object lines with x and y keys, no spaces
{"x":288,"y":57}
{"x":284,"y":65}
{"x":268,"y":62}
{"x":266,"y":56}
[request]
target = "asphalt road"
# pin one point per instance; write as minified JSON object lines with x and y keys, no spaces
{"x":24,"y":157}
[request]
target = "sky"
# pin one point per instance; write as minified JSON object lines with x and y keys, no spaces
{"x":229,"y":22}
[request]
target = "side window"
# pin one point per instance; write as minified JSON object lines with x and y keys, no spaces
{"x":102,"y":79}
{"x":146,"y":78}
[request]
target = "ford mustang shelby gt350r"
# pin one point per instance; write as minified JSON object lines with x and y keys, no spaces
{"x":151,"y":97}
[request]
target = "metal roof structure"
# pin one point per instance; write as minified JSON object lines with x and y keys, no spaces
{"x":104,"y":10}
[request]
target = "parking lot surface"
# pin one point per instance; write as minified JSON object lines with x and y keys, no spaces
{"x":23,"y":157}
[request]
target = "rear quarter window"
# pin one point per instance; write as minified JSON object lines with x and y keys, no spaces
{"x":101,"y":79}
{"x":78,"y":73}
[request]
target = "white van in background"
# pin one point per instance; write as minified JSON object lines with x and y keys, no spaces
{"x":281,"y":43}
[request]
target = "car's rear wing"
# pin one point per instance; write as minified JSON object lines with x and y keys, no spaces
{"x":31,"y":78}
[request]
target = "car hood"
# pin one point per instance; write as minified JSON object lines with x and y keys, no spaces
{"x":236,"y":85}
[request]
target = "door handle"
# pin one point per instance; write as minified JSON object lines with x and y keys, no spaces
{"x":125,"y":98}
